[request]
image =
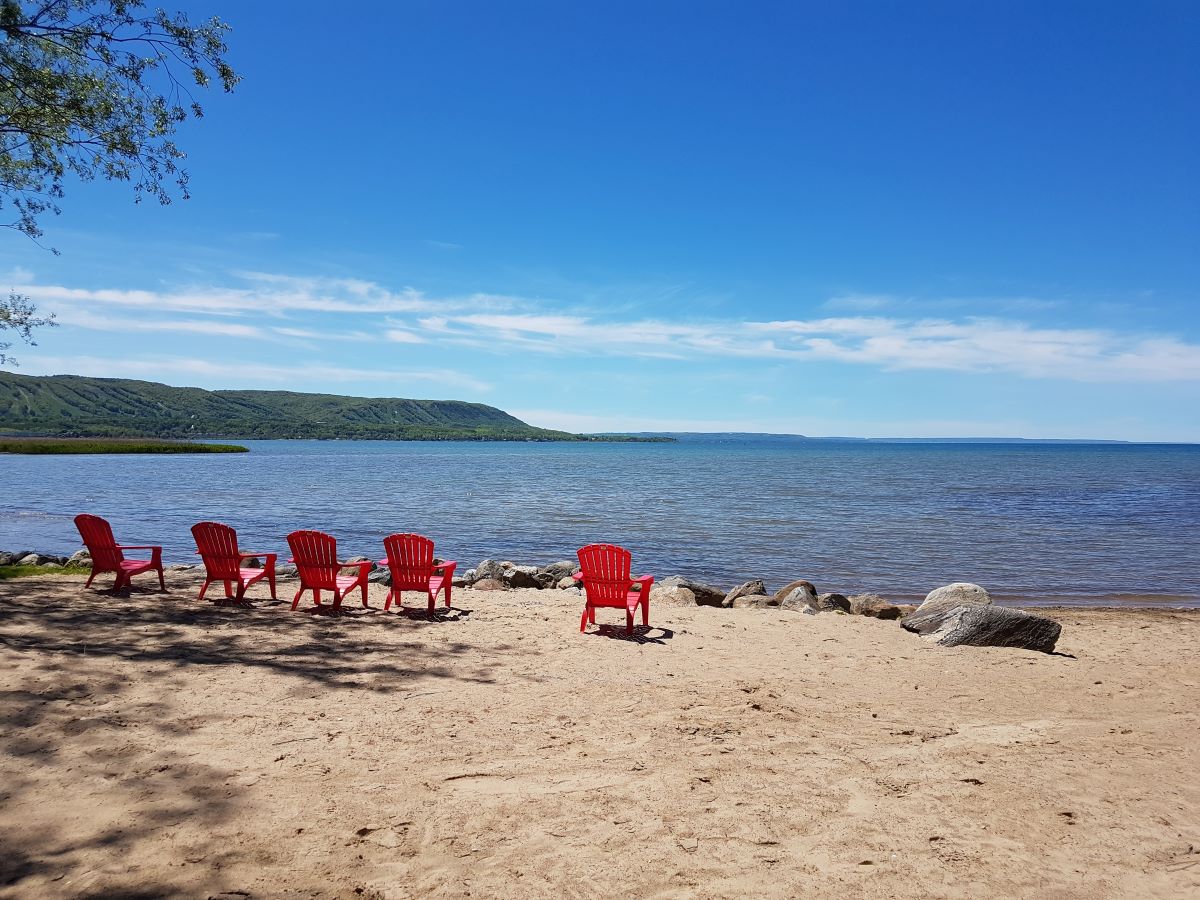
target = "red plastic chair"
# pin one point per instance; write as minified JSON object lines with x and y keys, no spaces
{"x":606,"y":583}
{"x":315,"y":556}
{"x":410,"y":559}
{"x":107,"y":556}
{"x":217,"y":545}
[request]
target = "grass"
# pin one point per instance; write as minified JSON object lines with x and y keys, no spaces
{"x":110,"y":445}
{"x":7,"y":572}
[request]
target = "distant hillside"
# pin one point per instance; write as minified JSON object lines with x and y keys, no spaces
{"x":96,"y":407}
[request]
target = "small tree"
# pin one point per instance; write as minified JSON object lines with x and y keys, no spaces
{"x":95,"y":88}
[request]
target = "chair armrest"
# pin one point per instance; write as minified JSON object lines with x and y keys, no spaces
{"x":578,"y":576}
{"x":359,"y":563}
{"x":646,"y":581}
{"x":446,"y":568}
{"x":246,"y":555}
{"x":139,"y":547}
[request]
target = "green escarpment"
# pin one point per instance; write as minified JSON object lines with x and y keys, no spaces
{"x":73,"y":405}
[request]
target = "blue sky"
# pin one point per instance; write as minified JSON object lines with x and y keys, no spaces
{"x":876,"y":219}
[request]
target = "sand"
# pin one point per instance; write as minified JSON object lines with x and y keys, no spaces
{"x":154,"y":746}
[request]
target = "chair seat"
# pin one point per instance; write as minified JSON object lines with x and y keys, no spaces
{"x":345,"y":582}
{"x":247,"y":574}
{"x":135,"y":566}
{"x":632,"y":599}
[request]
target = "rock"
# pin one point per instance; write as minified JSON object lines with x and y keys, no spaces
{"x":252,"y":562}
{"x":706,"y":594}
{"x":874,"y":606}
{"x":521,"y":577}
{"x":287,"y":570}
{"x":984,"y":625}
{"x":833,"y":603}
{"x":928,"y":614}
{"x":906,"y":609}
{"x":353,"y":570}
{"x":755,"y":601}
{"x":545,"y":580}
{"x":380,"y":576}
{"x":490,"y":584}
{"x":569,"y":582}
{"x":489,"y":568}
{"x":468,"y":576}
{"x":459,"y":581}
{"x":788,"y":588}
{"x":561,"y":569}
{"x":6,"y":558}
{"x":802,"y":596}
{"x":178,"y":567}
{"x":80,"y":558}
{"x":32,"y":559}
{"x":748,"y":589}
{"x":51,"y":566}
{"x":672,"y":595}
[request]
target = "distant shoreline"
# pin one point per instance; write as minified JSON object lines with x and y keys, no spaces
{"x":69,"y":446}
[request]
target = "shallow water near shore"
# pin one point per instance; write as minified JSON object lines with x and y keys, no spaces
{"x":1034,"y":523}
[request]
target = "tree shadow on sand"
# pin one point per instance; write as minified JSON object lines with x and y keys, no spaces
{"x":95,"y":776}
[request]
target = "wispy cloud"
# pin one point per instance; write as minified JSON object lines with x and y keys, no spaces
{"x":441,"y":245}
{"x":496,"y":323}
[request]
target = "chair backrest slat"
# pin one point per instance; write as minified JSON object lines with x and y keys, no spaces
{"x":410,"y":559}
{"x":218,"y":548}
{"x":605,"y":573}
{"x":315,"y":554}
{"x":98,"y":538}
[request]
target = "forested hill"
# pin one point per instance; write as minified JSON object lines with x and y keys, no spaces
{"x":93,"y":407}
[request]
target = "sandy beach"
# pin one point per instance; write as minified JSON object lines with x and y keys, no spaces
{"x":155,"y":746}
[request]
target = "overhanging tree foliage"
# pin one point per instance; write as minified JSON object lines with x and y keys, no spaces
{"x":96,"y":88}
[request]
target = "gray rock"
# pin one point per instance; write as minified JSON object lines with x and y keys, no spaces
{"x":569,"y":582}
{"x":178,"y":567}
{"x":874,"y":606}
{"x":802,"y":597}
{"x":754,"y":601}
{"x":490,"y":584}
{"x":747,"y":589}
{"x":545,"y":579}
{"x":51,"y":566}
{"x":6,"y":558}
{"x":459,"y":581}
{"x":672,"y":595}
{"x":468,"y":576}
{"x":252,"y":562}
{"x":928,"y":614}
{"x":32,"y":559}
{"x":380,"y":576}
{"x":706,"y":594}
{"x":995,"y":626}
{"x":833,"y":603}
{"x":79,"y":558}
{"x":791,"y":586}
{"x":489,"y":568}
{"x":287,"y":570}
{"x":561,"y":569}
{"x":355,"y":559}
{"x":521,"y":577}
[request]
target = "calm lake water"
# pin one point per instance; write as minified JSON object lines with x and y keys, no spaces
{"x":1034,"y":522}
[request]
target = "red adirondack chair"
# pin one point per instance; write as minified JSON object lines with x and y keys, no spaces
{"x":606,"y":583}
{"x":217,"y":545}
{"x":107,"y":555}
{"x":315,"y":556}
{"x":410,"y":559}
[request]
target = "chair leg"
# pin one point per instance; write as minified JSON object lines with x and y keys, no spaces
{"x":203,"y":588}
{"x":241,"y":591}
{"x":592,"y":614}
{"x":296,"y":599}
{"x":432,"y":603}
{"x":271,"y":581}
{"x":228,"y":588}
{"x":366,"y":605}
{"x":646,"y":612}
{"x":162,"y":583}
{"x":583,"y":620}
{"x":628,"y":621}
{"x":387,"y":604}
{"x":446,"y":587}
{"x":88,"y":583}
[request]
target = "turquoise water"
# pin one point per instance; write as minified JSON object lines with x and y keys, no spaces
{"x":1034,"y":522}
